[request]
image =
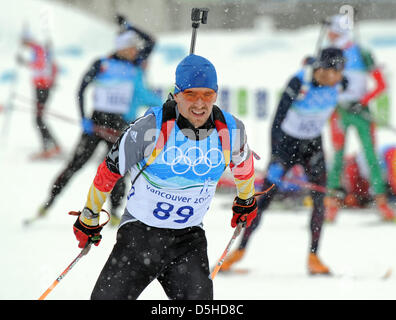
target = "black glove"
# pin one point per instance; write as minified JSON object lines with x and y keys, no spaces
{"x":308,"y":60}
{"x":243,"y":211}
{"x":120,"y":19}
{"x":85,"y":233}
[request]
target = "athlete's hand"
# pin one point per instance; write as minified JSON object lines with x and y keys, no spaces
{"x":243,"y":211}
{"x":85,"y":232}
{"x":120,"y":19}
{"x":308,"y":60}
{"x":87,"y":125}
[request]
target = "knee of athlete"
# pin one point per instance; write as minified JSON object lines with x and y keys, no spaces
{"x":275,"y":174}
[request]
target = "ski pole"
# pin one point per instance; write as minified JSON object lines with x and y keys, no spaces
{"x":309,"y":68}
{"x":370,"y":118}
{"x":307,"y":185}
{"x":198,"y":15}
{"x":83,"y":252}
{"x":323,"y":28}
{"x":106,"y":133}
{"x":315,"y":187}
{"x":390,"y":128}
{"x":26,"y":100}
{"x":216,"y":269}
{"x":237,"y":231}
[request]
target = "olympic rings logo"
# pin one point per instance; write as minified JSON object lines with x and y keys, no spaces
{"x":193,"y":158}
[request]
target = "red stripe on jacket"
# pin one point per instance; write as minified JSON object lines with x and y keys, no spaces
{"x":245,"y":170}
{"x":105,"y":179}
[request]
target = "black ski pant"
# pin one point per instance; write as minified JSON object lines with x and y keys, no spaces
{"x":288,"y":152}
{"x":47,"y":138}
{"x":83,"y":152}
{"x":176,"y":258}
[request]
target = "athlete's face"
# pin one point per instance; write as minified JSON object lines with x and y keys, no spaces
{"x":128,"y":53}
{"x":196,"y":104}
{"x":328,"y":77}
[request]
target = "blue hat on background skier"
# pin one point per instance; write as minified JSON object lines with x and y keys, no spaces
{"x":195,"y":72}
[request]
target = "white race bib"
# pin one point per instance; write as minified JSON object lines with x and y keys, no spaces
{"x":113,"y":98}
{"x":164,"y":208}
{"x":305,"y":126}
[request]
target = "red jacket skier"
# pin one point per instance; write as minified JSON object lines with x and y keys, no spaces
{"x":44,"y":72}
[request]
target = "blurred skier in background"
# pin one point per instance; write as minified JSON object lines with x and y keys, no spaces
{"x":353,"y":110}
{"x":356,"y":178}
{"x":119,"y":90}
{"x":44,"y":71}
{"x":304,"y":108}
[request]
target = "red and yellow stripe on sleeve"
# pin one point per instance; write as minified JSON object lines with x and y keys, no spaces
{"x":101,"y":187}
{"x":244,"y":177}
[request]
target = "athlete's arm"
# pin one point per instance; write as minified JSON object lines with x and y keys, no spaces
{"x":147,"y":48}
{"x":288,"y":96}
{"x":380,"y":86}
{"x":131,"y":147}
{"x":142,"y":96}
{"x":376,"y":73}
{"x":87,"y":79}
{"x":149,"y":41}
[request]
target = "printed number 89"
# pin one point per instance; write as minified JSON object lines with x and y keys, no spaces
{"x":164,"y":209}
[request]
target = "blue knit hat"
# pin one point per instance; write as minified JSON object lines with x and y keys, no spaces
{"x":330,"y":58}
{"x":195,"y":72}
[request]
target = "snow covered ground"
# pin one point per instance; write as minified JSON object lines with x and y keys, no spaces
{"x":358,"y":247}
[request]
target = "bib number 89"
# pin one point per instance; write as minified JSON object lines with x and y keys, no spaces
{"x":164,"y":209}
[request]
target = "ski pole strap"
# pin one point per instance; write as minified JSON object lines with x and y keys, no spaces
{"x":77,"y":213}
{"x":109,"y":134}
{"x":263,"y":192}
{"x":307,"y":185}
